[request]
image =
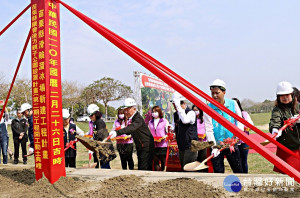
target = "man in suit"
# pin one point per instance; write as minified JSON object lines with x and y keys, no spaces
{"x":140,"y":133}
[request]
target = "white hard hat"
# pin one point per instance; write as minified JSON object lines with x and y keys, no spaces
{"x":65,"y":113}
{"x":25,"y":106}
{"x":218,"y":83}
{"x":129,"y":102}
{"x":92,"y":108}
{"x":177,"y":96}
{"x":284,"y":88}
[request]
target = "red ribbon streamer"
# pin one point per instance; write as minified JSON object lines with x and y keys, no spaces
{"x":156,"y":63}
{"x":152,"y":67}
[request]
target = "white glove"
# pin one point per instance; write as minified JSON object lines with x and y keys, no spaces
{"x":295,"y":116}
{"x":113,"y":134}
{"x":81,"y":134}
{"x":215,"y":152}
{"x":177,"y":105}
{"x":30,"y":151}
{"x":90,"y":152}
{"x":171,"y":127}
{"x":279,"y":133}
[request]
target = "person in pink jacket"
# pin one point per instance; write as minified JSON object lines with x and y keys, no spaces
{"x":124,"y":142}
{"x":158,"y":127}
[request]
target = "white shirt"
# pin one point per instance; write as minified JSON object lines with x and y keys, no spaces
{"x":188,"y":118}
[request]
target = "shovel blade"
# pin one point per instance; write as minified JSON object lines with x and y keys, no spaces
{"x":201,"y":167}
{"x":92,"y":165}
{"x":265,"y":143}
{"x":191,"y":166}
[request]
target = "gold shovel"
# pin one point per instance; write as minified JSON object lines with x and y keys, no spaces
{"x":195,"y":166}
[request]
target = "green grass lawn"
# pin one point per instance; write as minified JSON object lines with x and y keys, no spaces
{"x":257,"y":164}
{"x":260,"y":119}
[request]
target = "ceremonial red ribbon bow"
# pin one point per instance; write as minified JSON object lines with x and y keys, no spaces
{"x":231,"y":142}
{"x":290,"y":123}
{"x":71,"y":145}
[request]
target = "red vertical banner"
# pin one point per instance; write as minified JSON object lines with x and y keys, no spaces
{"x":46,"y":91}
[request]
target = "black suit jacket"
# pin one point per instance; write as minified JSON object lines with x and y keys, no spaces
{"x":140,"y":133}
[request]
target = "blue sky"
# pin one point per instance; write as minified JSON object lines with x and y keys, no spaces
{"x":251,"y":45}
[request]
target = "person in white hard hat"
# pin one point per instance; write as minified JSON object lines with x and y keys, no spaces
{"x":140,"y":133}
{"x":100,"y":133}
{"x":26,"y":110}
{"x":70,"y":131}
{"x":218,"y":91}
{"x":185,"y":129}
{"x":286,"y":108}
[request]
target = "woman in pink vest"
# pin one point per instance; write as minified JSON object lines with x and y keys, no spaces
{"x":243,"y":145}
{"x":124,"y":142}
{"x":201,"y":133}
{"x":159,"y":127}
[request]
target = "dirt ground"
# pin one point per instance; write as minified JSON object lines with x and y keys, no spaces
{"x":20,"y":182}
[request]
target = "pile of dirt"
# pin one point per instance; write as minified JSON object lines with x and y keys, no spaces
{"x":133,"y":186}
{"x":197,"y":146}
{"x":21,"y":183}
{"x":104,"y":148}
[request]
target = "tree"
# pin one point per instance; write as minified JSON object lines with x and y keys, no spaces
{"x":107,"y":90}
{"x":21,"y":91}
{"x":71,"y":92}
{"x":4,"y":86}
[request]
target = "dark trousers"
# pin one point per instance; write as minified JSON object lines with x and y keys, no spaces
{"x":144,"y":159}
{"x":3,"y":142}
{"x":187,"y":156}
{"x":244,"y":156}
{"x":17,"y":143}
{"x":70,"y":162}
{"x":125,"y":152}
{"x":102,"y":165}
{"x":159,"y":156}
{"x":233,"y":159}
{"x":202,"y":156}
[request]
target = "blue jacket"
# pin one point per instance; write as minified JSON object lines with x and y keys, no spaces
{"x":221,"y":132}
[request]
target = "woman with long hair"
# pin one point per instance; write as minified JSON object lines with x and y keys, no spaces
{"x":159,"y":128}
{"x":286,"y":108}
{"x":242,"y":145}
{"x":124,"y":142}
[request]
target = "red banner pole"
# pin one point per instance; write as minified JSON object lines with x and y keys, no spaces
{"x":16,"y":73}
{"x":46,"y":91}
{"x":266,"y":153}
{"x":187,"y":84}
{"x":14,"y":20}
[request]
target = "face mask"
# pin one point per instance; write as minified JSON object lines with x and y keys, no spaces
{"x":197,"y":112}
{"x":155,"y":114}
{"x":121,"y":116}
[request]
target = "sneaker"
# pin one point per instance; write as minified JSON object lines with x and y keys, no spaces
{"x":16,"y":161}
{"x":24,"y":162}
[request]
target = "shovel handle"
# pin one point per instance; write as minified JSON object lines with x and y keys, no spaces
{"x":108,"y":137}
